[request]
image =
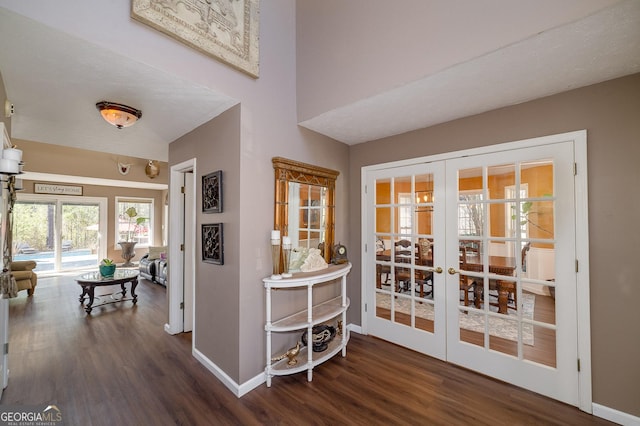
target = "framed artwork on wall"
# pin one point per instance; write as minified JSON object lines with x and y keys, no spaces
{"x":212,"y":192}
{"x":227,"y":30}
{"x":212,"y":243}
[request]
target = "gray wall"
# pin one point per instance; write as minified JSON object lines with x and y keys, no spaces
{"x":216,"y":146}
{"x":609,"y":111}
{"x":351,"y":50}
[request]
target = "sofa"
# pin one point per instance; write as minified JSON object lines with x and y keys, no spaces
{"x":153,"y":265}
{"x":26,"y":279}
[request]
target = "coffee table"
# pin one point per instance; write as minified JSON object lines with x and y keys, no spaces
{"x":91,"y":280}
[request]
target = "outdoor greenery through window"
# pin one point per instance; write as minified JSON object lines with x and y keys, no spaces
{"x":58,"y":232}
{"x":33,"y":228}
{"x":470,"y":213}
{"x":135,"y":220}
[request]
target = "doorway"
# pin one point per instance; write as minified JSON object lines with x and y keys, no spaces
{"x":61,"y":233}
{"x":475,"y":261}
{"x":182,"y":238}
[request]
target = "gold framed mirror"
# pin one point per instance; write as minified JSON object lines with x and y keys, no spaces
{"x":305,"y":204}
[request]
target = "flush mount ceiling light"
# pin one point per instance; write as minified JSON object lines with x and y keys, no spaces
{"x":117,"y":114}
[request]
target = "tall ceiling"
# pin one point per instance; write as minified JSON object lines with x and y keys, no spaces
{"x":55,"y":87}
{"x":55,"y":79}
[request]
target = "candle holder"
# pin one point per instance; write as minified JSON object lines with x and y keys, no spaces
{"x":275,"y":255}
{"x":286,"y":253}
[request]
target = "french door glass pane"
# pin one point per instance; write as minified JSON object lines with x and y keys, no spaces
{"x":403,"y":233}
{"x":33,"y":233}
{"x":80,"y":238}
{"x":507,"y":279}
{"x":500,"y":177}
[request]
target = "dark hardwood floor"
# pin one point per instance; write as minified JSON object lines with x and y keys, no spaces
{"x":119,"y":367}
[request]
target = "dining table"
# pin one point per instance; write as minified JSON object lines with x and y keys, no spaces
{"x":499,"y":265}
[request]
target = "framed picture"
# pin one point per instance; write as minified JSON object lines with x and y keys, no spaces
{"x":212,"y":243}
{"x":212,"y":192}
{"x":227,"y":30}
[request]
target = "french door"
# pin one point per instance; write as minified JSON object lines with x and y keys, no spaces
{"x":475,"y":263}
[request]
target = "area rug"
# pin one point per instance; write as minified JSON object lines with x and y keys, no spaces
{"x":503,"y":326}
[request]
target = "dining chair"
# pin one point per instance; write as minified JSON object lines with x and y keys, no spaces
{"x":468,"y":284}
{"x":403,"y":254}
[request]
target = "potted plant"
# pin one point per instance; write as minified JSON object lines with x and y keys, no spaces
{"x":128,"y":246}
{"x":107,"y":268}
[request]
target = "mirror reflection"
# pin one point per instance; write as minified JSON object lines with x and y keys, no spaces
{"x":304,"y":204}
{"x":307,"y":214}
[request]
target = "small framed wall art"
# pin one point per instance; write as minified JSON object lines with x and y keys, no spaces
{"x":212,"y":243}
{"x":212,"y":192}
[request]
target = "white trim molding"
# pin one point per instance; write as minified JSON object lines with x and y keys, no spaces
{"x":176,"y":266}
{"x":615,"y":416}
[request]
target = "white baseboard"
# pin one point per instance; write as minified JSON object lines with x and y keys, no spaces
{"x":169,"y":330}
{"x":249,"y":385}
{"x":216,"y":371}
{"x":237,"y":390}
{"x":355,"y":328}
{"x":615,"y":416}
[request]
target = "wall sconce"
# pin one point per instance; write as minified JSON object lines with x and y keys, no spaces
{"x":117,"y":114}
{"x":151,"y":170}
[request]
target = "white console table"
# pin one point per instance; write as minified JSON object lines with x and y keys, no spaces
{"x":316,"y":313}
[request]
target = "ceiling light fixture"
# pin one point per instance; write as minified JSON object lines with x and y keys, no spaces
{"x":117,"y":114}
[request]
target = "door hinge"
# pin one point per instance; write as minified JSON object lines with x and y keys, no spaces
{"x":575,"y":169}
{"x":181,"y":305}
{"x":365,"y":189}
{"x":6,"y":348}
{"x":181,"y":247}
{"x":365,"y":307}
{"x":182,"y":190}
{"x":577,"y":266}
{"x":578,"y":364}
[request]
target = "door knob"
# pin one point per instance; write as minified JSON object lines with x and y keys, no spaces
{"x":452,"y":271}
{"x":438,"y":270}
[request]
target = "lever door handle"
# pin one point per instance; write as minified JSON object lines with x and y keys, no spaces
{"x":452,"y":271}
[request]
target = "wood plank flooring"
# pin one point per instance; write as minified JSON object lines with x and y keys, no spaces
{"x":119,"y":367}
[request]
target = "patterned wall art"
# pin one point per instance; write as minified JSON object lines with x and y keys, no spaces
{"x":212,"y":192}
{"x":227,"y":30}
{"x":212,"y":244}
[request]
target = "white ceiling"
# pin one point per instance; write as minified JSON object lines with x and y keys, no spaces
{"x":55,"y":90}
{"x":54,"y":81}
{"x":597,"y":48}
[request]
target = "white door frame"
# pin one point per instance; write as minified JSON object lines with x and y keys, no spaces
{"x":582,"y":239}
{"x":180,"y":260}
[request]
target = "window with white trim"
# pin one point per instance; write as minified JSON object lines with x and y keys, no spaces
{"x":404,"y":210}
{"x":135,"y":228}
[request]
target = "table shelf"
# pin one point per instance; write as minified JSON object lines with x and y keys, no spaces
{"x":315,"y":313}
{"x":320,"y":313}
{"x":282,"y":368}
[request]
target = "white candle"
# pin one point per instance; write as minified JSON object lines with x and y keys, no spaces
{"x":12,"y":154}
{"x":9,"y":166}
{"x":275,"y":235}
{"x":286,"y":240}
